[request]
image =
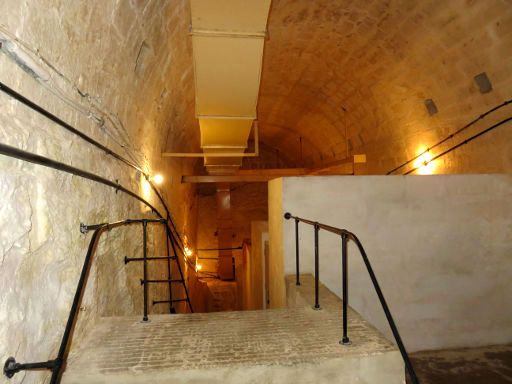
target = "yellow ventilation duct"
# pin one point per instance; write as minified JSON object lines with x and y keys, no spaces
{"x":227,"y":39}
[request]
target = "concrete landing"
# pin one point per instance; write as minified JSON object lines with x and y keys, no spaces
{"x":293,"y":345}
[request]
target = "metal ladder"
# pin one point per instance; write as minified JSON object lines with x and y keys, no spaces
{"x":145,"y":281}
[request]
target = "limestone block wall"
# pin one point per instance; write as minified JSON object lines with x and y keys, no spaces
{"x":118,"y":71}
{"x":440,"y":247}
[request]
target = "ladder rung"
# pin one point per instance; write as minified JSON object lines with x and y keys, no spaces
{"x":168,"y":301}
{"x":160,"y":281}
{"x":128,"y":259}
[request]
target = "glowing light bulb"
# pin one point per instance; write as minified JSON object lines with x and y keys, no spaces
{"x":198,"y":267}
{"x":188,"y":251}
{"x":158,"y":179}
{"x":424,"y":163}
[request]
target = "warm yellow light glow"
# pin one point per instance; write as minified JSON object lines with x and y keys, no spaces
{"x":198,"y":267}
{"x":188,"y":251}
{"x":424,"y":163}
{"x":146,"y":188}
{"x":158,"y":179}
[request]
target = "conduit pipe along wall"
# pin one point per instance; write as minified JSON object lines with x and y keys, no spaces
{"x":228,"y":39}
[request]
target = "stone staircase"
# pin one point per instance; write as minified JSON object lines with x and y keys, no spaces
{"x":224,"y":296}
{"x":291,"y":345}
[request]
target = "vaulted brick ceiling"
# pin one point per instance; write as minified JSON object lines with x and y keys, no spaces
{"x":358,"y":72}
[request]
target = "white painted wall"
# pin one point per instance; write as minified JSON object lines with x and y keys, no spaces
{"x":441,"y":247}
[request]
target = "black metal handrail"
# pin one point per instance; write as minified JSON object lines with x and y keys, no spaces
{"x":212,"y":274}
{"x":173,"y":236}
{"x":52,"y":117}
{"x":11,"y":367}
{"x":20,"y":154}
{"x":345,"y":236}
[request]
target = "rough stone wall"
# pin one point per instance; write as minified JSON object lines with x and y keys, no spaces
{"x":358,"y":72}
{"x":131,"y":62}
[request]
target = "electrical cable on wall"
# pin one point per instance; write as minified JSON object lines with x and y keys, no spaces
{"x":15,"y":95}
{"x":475,"y":136}
{"x":40,"y":69}
{"x":460,"y":130}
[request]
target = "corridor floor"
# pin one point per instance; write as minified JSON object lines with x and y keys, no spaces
{"x":487,"y":365}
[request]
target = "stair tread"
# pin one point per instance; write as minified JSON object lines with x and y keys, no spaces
{"x":283,"y":337}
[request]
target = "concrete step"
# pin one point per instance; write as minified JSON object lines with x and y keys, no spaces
{"x":291,"y":345}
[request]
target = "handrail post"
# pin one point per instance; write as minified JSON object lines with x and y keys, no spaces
{"x":169,"y":270}
{"x":173,"y":246}
{"x":387,"y":312}
{"x":344,"y":266}
{"x":317,"y":269}
{"x":145,"y":243}
{"x":297,"y":249}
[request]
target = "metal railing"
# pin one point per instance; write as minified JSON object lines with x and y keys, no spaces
{"x":211,"y":274}
{"x":11,"y":367}
{"x":345,"y":237}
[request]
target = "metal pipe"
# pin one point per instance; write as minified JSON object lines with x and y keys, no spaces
{"x":168,"y":213}
{"x":344,"y":252}
{"x":317,"y":269}
{"x":11,"y":367}
{"x":462,"y":143}
{"x":328,"y":228}
{"x":170,"y":236}
{"x":168,"y":301}
{"x":221,"y":249}
{"x":91,"y":227}
{"x":297,"y":250}
{"x":128,"y":259}
{"x":169,"y":273}
{"x":46,"y":162}
{"x":76,"y":302}
{"x":30,"y":104}
{"x":451,"y":135}
{"x":84,"y":228}
{"x":145,"y":252}
{"x":387,"y":312}
{"x":144,"y":282}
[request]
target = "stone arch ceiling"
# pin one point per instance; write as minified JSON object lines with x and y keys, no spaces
{"x":379,"y":60}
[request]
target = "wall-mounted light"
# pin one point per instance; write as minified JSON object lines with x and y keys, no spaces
{"x":424,"y":162}
{"x":198,"y":267}
{"x":188,"y":251}
{"x":158,"y":179}
{"x":145,"y":187}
